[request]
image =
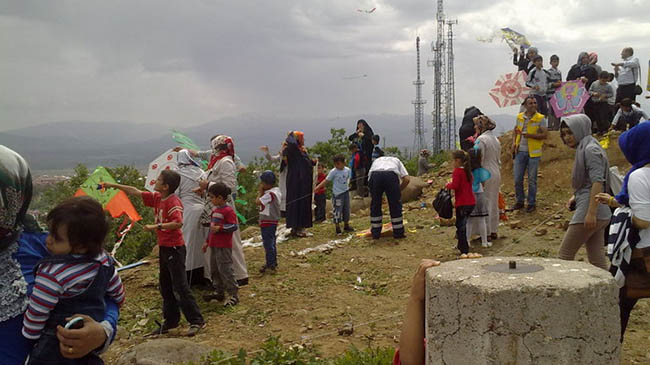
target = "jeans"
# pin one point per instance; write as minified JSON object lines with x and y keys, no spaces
{"x":524,"y":162}
{"x":341,"y":207}
{"x":174,"y":288}
{"x":268,"y":240}
{"x":462,"y":215}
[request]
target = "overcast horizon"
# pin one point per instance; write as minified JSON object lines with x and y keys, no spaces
{"x":183,"y":64}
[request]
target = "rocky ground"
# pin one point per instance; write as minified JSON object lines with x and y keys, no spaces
{"x":355,"y":294}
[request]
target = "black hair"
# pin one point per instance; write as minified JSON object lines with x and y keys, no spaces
{"x":627,"y":102}
{"x":475,"y":156}
{"x":554,"y":58}
{"x":338,"y":158}
{"x":462,"y":156}
{"x":526,"y":99}
{"x":610,"y":77}
{"x":353,"y":146}
{"x":170,"y":178}
{"x":537,"y":58}
{"x":375,"y":137}
{"x":603,"y":75}
{"x":219,"y":189}
{"x":85,"y":223}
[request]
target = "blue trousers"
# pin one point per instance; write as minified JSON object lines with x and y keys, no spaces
{"x":341,"y":207}
{"x":385,"y":182}
{"x":268,"y":240}
{"x":524,"y":162}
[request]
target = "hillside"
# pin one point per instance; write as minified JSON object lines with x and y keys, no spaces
{"x":363,"y":282}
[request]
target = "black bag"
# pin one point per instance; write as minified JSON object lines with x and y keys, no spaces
{"x":443,"y":204}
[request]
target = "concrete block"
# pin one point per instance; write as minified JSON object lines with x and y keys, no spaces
{"x":566,"y":313}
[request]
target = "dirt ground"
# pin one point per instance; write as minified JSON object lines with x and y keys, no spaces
{"x":362,"y":282}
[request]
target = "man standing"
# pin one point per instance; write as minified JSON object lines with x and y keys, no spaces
{"x":387,"y":175}
{"x":626,"y":72}
{"x":530,"y":133}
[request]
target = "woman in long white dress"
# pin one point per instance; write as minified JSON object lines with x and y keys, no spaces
{"x":194,"y":234}
{"x":490,"y":148}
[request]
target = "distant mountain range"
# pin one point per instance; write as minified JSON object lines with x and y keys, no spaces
{"x":62,"y":145}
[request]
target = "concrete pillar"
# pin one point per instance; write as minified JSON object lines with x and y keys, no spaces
{"x":565,"y":312}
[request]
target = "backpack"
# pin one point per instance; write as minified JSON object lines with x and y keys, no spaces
{"x":443,"y":204}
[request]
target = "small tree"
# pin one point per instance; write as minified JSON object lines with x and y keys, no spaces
{"x":325,"y":151}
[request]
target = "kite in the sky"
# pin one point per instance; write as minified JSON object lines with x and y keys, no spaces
{"x":514,"y":39}
{"x":354,"y":77}
{"x":186,"y":142}
{"x":510,"y":89}
{"x":569,"y":98}
{"x":367,"y":11}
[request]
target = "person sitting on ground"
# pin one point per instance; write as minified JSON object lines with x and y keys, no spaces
{"x":590,"y":171}
{"x":530,"y":133}
{"x":376,"y":151}
{"x":223,"y":224}
{"x":387,"y":175}
{"x":626,"y":73}
{"x":320,"y":198}
{"x":538,"y":80}
{"x":423,"y":163}
{"x":22,"y":246}
{"x":628,"y":115}
{"x":268,"y":200}
{"x":340,"y":178}
{"x":601,"y":93}
{"x":635,"y":196}
{"x":174,"y":288}
{"x":74,"y":280}
{"x":464,"y":200}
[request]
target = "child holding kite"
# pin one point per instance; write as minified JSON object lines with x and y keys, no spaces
{"x":174,"y":288}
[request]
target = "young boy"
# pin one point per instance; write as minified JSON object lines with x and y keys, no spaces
{"x":554,"y":81}
{"x":340,"y":178}
{"x":319,"y":196}
{"x":268,"y":200}
{"x":601,"y":93}
{"x":538,"y":82}
{"x":74,"y":280}
{"x":174,"y":289}
{"x":376,"y":151}
{"x":223,"y":223}
{"x":356,"y":162}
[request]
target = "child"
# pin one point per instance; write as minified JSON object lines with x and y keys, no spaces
{"x":268,"y":200}
{"x":356,"y":161}
{"x":628,"y":115}
{"x":601,"y":94}
{"x":376,"y":151}
{"x":319,"y":195}
{"x":461,"y":183}
{"x":74,"y":280}
{"x":538,"y":82}
{"x":174,"y":288}
{"x":554,"y":81}
{"x":340,"y":177}
{"x":223,"y":224}
{"x":478,"y":217}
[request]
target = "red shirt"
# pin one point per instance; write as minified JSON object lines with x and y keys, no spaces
{"x":319,"y":179}
{"x":166,"y":210}
{"x":462,"y":187}
{"x":226,"y":218}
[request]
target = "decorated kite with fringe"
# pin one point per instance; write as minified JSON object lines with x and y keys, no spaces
{"x":510,"y":89}
{"x":570,"y":98}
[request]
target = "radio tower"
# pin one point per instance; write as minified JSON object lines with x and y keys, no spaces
{"x":443,"y":114}
{"x":418,"y":139}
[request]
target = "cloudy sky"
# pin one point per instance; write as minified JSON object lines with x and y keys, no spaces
{"x":190,"y":62}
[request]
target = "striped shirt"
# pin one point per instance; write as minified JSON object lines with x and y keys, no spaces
{"x":63,"y":280}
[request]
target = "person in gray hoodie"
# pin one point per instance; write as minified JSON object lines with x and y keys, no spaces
{"x":590,"y":169}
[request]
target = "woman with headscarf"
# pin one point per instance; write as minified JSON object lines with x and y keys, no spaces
{"x":490,"y":148}
{"x":22,"y":245}
{"x":299,"y":183}
{"x":584,"y":70}
{"x":590,"y":169}
{"x":222,"y":168}
{"x":363,"y":138}
{"x":194,"y":234}
{"x":634,"y":201}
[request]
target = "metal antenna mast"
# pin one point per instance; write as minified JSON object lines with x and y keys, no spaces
{"x":419,"y":142}
{"x":450,"y":112}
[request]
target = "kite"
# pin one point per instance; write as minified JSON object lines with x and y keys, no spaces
{"x":367,"y":11}
{"x":514,"y":39}
{"x":166,"y":161}
{"x":186,"y":142}
{"x":510,"y":89}
{"x":112,"y":200}
{"x":354,"y":77}
{"x":569,"y":98}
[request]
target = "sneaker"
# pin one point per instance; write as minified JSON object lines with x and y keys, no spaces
{"x":231,"y":302}
{"x":214,"y":296}
{"x":348,"y":228}
{"x":530,"y":209}
{"x":267,"y":269}
{"x":338,"y":230}
{"x":161,"y":329}
{"x":518,"y":205}
{"x":194,"y":329}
